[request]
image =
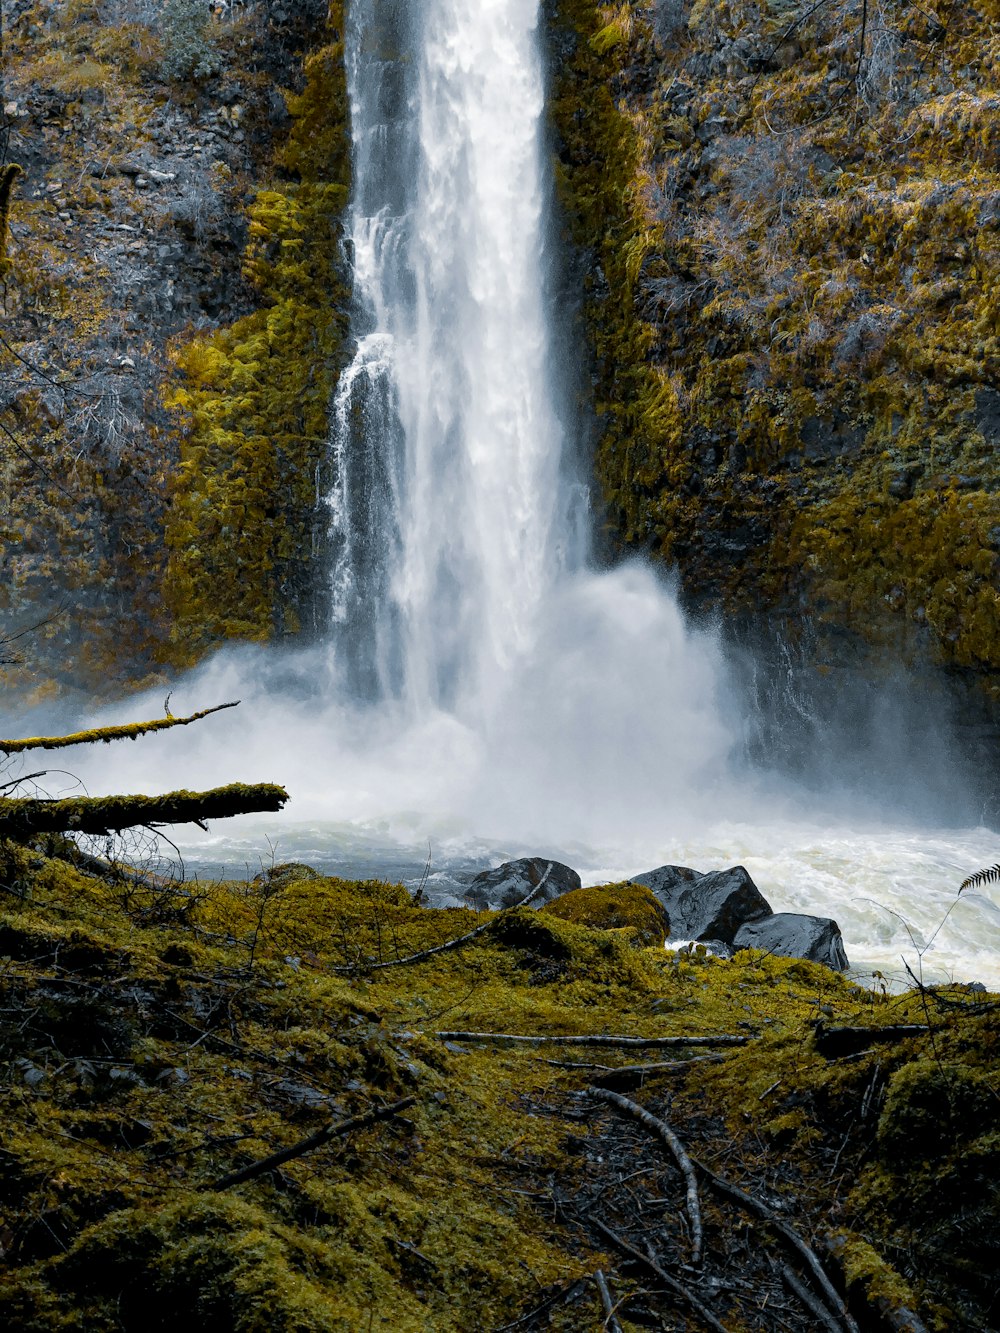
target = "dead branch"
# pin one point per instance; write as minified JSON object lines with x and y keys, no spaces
{"x":314,"y":1141}
{"x":632,"y":1075}
{"x":788,"y":1234}
{"x":610,"y":1317}
{"x":805,"y":1297}
{"x":600,"y":1039}
{"x":449,"y":944}
{"x":705,"y":1314}
{"x":663,"y":1132}
{"x":129,"y":731}
{"x":110,"y":814}
{"x":838,"y":1041}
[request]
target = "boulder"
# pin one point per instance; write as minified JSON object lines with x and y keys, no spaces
{"x":509,"y":884}
{"x":706,"y":907}
{"x":795,"y":935}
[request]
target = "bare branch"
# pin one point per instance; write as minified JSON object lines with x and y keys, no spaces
{"x":666,"y":1135}
{"x":310,"y":1144}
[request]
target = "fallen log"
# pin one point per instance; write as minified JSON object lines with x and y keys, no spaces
{"x":836,"y":1042}
{"x":110,"y":814}
{"x":128,"y":731}
{"x":597,"y":1039}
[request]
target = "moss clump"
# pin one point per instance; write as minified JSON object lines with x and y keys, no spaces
{"x":247,"y":520}
{"x":615,"y":907}
{"x":8,"y":176}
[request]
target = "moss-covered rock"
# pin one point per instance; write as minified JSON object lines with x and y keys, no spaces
{"x":246,"y":529}
{"x":615,"y":907}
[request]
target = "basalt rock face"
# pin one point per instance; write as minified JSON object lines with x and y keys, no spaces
{"x":787,"y":227}
{"x":706,"y":907}
{"x":726,"y":910}
{"x":173,"y":225}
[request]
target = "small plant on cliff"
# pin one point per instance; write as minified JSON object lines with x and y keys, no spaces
{"x":188,"y":50}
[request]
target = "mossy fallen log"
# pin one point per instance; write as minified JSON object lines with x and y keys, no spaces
{"x":111,"y":814}
{"x":128,"y":731}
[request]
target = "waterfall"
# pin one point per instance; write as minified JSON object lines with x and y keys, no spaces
{"x":492,"y":694}
{"x":451,"y":508}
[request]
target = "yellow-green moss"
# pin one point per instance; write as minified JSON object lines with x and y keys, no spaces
{"x":165,"y":1035}
{"x":615,"y":907}
{"x":8,"y":176}
{"x":246,"y":523}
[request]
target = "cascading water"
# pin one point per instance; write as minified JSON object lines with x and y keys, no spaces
{"x":451,"y":503}
{"x":492,"y":694}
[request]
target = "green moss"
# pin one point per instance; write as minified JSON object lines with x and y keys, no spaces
{"x":615,"y":907}
{"x":246,"y":524}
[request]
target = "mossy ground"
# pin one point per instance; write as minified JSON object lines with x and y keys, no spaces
{"x":155,"y":1038}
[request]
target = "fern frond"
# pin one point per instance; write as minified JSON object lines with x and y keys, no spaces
{"x":991,"y":875}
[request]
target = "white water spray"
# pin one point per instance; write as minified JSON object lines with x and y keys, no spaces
{"x":489,"y":693}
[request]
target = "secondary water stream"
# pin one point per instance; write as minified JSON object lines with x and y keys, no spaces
{"x":488,"y":693}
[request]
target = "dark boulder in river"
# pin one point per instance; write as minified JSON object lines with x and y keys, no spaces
{"x":794,"y":935}
{"x":725,"y":908}
{"x":706,"y":907}
{"x":509,"y":884}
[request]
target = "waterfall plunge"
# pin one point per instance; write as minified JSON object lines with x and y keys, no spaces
{"x":461,"y":588}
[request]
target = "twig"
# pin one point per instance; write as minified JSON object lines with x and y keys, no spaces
{"x":663,"y":1131}
{"x":792,"y":1237}
{"x":106,"y":734}
{"x":449,"y":944}
{"x":668,"y":1281}
{"x":314,"y":1141}
{"x":816,"y":1308}
{"x":610,"y":1318}
{"x":597,"y":1039}
{"x":607,"y":1075}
